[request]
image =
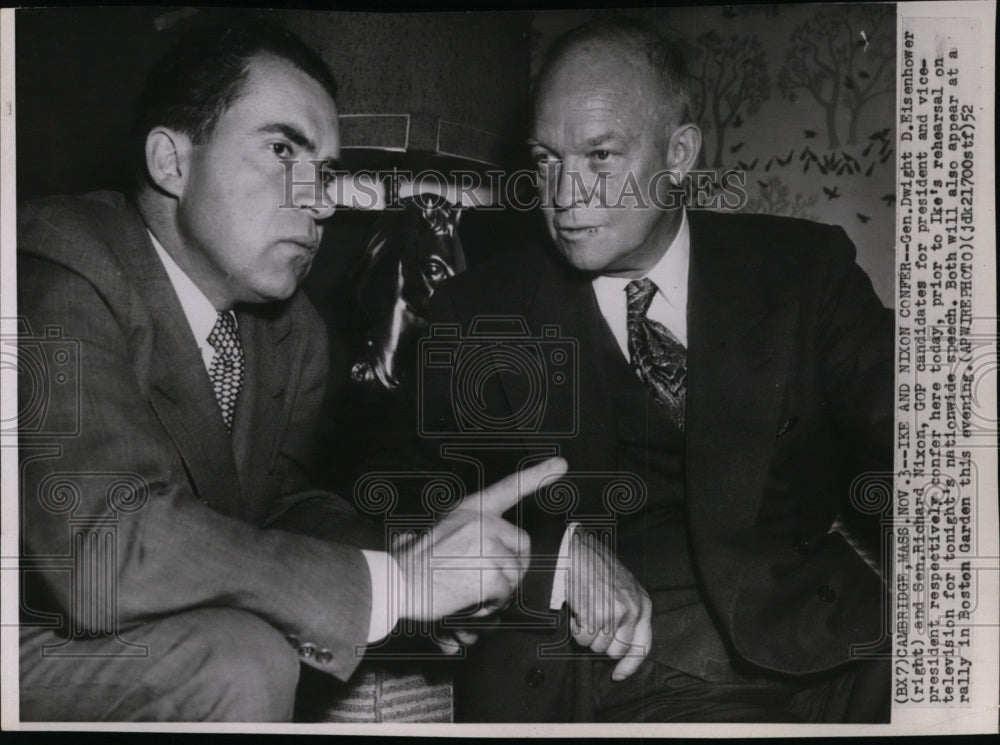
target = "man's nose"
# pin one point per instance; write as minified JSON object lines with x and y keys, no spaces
{"x":323,"y":207}
{"x":310,"y":190}
{"x":576,"y":188}
{"x":565,"y":195}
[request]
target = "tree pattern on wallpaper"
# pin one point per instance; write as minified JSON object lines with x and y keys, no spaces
{"x":840,"y":58}
{"x":730,"y":82}
{"x":774,"y":198}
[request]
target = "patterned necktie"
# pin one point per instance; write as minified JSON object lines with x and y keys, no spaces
{"x":226,"y":370}
{"x":656,"y":355}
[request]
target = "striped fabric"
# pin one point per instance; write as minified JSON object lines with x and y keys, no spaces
{"x":377,"y":693}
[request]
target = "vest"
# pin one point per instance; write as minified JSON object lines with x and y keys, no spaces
{"x":654,"y":542}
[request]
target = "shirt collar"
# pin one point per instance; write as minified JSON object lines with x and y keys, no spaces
{"x":198,"y":309}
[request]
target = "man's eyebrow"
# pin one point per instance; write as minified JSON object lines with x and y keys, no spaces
{"x":595,"y":141}
{"x":290,"y":132}
{"x":603,"y":138}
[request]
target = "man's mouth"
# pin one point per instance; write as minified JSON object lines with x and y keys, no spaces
{"x":307,"y":244}
{"x":577,"y":232}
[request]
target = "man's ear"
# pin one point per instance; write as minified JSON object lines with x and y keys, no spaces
{"x":168,"y":157}
{"x":682,"y":151}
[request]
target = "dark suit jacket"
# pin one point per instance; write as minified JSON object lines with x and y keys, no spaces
{"x":789,"y":399}
{"x":192,"y":521}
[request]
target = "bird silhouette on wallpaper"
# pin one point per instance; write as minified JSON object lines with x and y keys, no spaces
{"x":889,"y":199}
{"x":768,"y":166}
{"x":868,"y":173}
{"x":831,"y":194}
{"x":848,"y":82}
{"x":831,"y":162}
{"x":809,"y":133}
{"x":885,"y":157}
{"x":862,"y":218}
{"x":736,"y":148}
{"x":868,"y":149}
{"x":880,"y":134}
{"x":738,"y":121}
{"x":788,"y":159}
{"x":776,"y":198}
{"x":747,"y":166}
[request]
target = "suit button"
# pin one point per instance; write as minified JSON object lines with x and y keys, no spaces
{"x":801,"y":546}
{"x":307,"y":650}
{"x":324,"y":656}
{"x":534,"y":677}
{"x":826,"y":593}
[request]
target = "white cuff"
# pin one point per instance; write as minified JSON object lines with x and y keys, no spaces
{"x":561,"y":576}
{"x":383,"y":569}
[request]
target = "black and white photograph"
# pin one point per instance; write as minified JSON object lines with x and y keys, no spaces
{"x":632,"y":369}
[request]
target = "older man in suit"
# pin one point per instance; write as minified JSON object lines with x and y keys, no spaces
{"x":734,"y":375}
{"x":175,"y":565}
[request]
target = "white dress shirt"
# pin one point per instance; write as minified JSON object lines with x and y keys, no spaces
{"x":201,"y":316}
{"x":669,"y":307}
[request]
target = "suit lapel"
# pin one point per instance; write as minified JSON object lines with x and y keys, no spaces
{"x":740,"y":336}
{"x":180,"y":390}
{"x":568,"y":302}
{"x":262,"y":397}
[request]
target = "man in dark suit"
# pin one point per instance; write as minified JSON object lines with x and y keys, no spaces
{"x":175,"y":565}
{"x":733,"y":379}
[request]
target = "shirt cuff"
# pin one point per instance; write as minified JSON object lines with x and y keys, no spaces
{"x":561,"y":576}
{"x":382,"y":568}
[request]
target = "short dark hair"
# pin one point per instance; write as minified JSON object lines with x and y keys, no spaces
{"x":663,"y":54}
{"x":204,"y":71}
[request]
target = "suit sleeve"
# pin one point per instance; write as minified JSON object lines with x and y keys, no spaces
{"x":857,"y":338}
{"x":169,"y":552}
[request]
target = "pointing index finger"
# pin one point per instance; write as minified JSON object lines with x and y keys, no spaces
{"x":508,"y":491}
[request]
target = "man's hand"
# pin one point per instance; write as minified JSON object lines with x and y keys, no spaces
{"x":610,"y":612}
{"x":472,"y":558}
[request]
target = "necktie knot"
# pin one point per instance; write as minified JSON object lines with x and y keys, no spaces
{"x":226,"y":370}
{"x":225,"y":338}
{"x":640,"y":293}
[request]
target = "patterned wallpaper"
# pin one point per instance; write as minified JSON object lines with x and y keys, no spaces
{"x":799,"y":97}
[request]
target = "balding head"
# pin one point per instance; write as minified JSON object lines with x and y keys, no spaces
{"x":610,"y":139}
{"x":623,"y":49}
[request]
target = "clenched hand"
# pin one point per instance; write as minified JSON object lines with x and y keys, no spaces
{"x":610,"y":612}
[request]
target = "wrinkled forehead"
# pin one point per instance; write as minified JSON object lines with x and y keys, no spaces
{"x":597,"y":84}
